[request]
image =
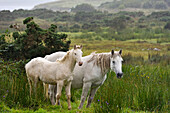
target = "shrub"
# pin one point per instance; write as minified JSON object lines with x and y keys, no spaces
{"x":35,"y":42}
{"x":167,"y":26}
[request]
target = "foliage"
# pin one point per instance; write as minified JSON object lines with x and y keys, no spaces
{"x":145,"y":4}
{"x":144,"y":87}
{"x":83,"y":8}
{"x":160,"y":5}
{"x":66,"y":5}
{"x":89,"y":16}
{"x":119,"y":22}
{"x":167,"y":26}
{"x":159,"y":14}
{"x":35,"y":42}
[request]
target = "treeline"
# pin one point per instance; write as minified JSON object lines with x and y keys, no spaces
{"x":119,"y":26}
{"x":78,"y":15}
{"x":7,"y":15}
{"x":145,"y":4}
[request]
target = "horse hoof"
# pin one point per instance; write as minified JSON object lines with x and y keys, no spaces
{"x":69,"y":108}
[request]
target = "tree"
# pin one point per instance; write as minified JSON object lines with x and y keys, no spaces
{"x":37,"y":42}
{"x":167,"y":26}
{"x":160,"y":5}
{"x":83,"y":8}
{"x":147,"y":5}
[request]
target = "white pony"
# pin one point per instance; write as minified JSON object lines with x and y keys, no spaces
{"x":57,"y":73}
{"x":92,"y":74}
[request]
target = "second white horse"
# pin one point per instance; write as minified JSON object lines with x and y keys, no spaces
{"x":92,"y":74}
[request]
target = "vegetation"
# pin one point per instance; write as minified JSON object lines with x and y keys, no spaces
{"x":145,"y":4}
{"x":66,"y":5}
{"x":144,"y":87}
{"x":83,"y":8}
{"x":33,"y":42}
{"x":103,"y":25}
{"x":144,"y":39}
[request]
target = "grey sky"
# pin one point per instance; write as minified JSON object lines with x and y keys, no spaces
{"x":18,"y":4}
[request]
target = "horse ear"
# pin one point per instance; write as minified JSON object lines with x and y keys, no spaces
{"x":112,"y":52}
{"x":120,"y":52}
{"x":81,"y":46}
{"x":75,"y":47}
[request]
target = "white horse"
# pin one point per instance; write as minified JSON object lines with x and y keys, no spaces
{"x":92,"y":74}
{"x":57,"y":73}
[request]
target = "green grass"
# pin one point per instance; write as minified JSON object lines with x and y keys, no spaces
{"x":144,"y":87}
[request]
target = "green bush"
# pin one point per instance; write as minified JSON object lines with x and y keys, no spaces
{"x":35,"y":42}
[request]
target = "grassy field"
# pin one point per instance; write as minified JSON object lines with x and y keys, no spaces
{"x":144,"y":87}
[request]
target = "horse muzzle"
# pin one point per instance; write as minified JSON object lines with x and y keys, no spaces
{"x":119,"y":75}
{"x":80,"y":63}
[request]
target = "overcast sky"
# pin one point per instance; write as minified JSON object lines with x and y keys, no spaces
{"x":18,"y":4}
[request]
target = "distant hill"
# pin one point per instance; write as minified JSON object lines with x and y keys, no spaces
{"x":109,"y":5}
{"x":66,"y":5}
{"x":137,"y":4}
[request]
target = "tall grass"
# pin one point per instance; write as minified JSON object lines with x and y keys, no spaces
{"x":14,"y":87}
{"x":144,"y":87}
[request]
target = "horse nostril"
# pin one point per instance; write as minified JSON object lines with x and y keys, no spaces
{"x":119,"y":75}
{"x":80,"y":63}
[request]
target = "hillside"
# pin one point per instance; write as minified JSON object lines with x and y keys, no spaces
{"x":109,"y":5}
{"x":136,"y":4}
{"x":66,"y":5}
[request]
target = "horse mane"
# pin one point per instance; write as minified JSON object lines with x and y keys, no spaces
{"x":64,"y":57}
{"x":102,"y":60}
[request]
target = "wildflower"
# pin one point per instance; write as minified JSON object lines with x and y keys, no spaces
{"x":100,"y":106}
{"x":7,"y":91}
{"x":98,"y":100}
{"x":4,"y":96}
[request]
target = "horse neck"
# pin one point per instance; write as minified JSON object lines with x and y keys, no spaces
{"x":104,"y":63}
{"x":70,"y":62}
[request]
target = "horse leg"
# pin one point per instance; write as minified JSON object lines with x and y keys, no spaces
{"x":72,"y":95}
{"x":86,"y":87}
{"x":68,"y":93}
{"x":35,"y":87}
{"x":55,"y":92}
{"x":59,"y":89}
{"x":91,"y":96}
{"x":52,"y":94}
{"x":46,"y":86}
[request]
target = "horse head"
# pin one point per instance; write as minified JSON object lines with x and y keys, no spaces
{"x":77,"y":54}
{"x":116,"y":63}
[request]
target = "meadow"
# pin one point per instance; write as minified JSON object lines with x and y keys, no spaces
{"x":144,"y":87}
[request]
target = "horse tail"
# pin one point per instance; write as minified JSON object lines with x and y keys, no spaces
{"x":29,"y":81}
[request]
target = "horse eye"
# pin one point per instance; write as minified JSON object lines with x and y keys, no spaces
{"x":75,"y":53}
{"x":113,"y":62}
